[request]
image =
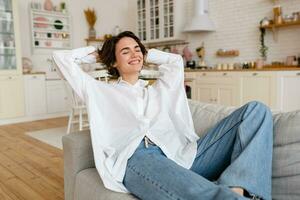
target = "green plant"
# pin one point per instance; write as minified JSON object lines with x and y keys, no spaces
{"x":263,"y":48}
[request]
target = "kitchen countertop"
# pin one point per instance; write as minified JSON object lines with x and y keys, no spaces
{"x":33,"y":73}
{"x":245,"y":70}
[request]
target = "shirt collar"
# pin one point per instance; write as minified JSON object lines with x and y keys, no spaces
{"x":140,"y":83}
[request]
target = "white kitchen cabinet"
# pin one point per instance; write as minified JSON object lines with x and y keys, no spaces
{"x":160,"y":20}
{"x":10,"y":49}
{"x":277,"y":89}
{"x":219,"y":88}
{"x":289,"y":92}
{"x":35,"y":94}
{"x":258,"y":86}
{"x":11,"y":96}
{"x":57,"y":97}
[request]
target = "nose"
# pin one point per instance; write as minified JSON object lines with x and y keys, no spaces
{"x":133,"y":54}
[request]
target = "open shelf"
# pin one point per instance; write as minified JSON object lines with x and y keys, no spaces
{"x":50,"y":30}
{"x":284,"y":24}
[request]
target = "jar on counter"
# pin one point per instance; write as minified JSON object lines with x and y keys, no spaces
{"x":295,"y":16}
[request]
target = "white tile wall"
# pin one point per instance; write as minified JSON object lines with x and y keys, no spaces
{"x":237,"y":24}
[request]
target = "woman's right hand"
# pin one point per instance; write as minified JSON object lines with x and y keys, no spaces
{"x":96,"y":55}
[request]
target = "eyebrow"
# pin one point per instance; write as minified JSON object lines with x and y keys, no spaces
{"x":127,"y":48}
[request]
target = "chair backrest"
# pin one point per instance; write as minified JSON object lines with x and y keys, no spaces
{"x":75,"y":99}
{"x":100,"y":75}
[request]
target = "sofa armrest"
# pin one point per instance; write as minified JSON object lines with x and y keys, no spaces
{"x":78,"y":155}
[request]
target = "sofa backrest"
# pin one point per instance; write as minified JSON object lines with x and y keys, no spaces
{"x":207,"y":115}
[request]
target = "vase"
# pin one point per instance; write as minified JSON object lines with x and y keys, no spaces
{"x":260,"y":63}
{"x":92,"y":33}
{"x":48,"y":5}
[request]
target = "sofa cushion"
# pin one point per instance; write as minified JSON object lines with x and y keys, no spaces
{"x":286,"y":156}
{"x":89,"y":186}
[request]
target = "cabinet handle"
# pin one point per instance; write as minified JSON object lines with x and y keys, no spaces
{"x":224,"y":74}
{"x":254,"y":74}
{"x":298,"y":74}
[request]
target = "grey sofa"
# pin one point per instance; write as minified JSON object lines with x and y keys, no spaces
{"x":82,"y":181}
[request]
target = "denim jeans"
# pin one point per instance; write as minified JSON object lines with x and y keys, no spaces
{"x":236,"y":152}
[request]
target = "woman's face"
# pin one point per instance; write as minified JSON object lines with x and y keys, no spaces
{"x":129,"y":57}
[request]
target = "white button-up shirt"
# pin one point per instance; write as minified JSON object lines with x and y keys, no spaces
{"x":121,"y":114}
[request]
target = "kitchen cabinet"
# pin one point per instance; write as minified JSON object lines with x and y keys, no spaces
{"x":259,"y":86}
{"x":57,"y":97}
{"x":35,"y":94}
{"x":289,"y":95}
{"x":219,"y":88}
{"x":277,"y":89}
{"x":11,"y":80}
{"x":159,"y":20}
{"x":10,"y":49}
{"x":11,"y":96}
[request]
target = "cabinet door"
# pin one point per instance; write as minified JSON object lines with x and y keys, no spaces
{"x":141,"y":20}
{"x":258,"y":86}
{"x":289,"y":90}
{"x":57,"y":98}
{"x":11,"y":97}
{"x":35,"y":95}
{"x":226,"y":95}
{"x":217,"y":87}
{"x":205,"y":93}
{"x":10,"y":50}
{"x":159,"y":20}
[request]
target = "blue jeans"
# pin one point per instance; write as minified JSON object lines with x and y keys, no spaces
{"x":236,"y":152}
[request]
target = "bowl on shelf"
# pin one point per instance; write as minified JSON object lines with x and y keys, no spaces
{"x":58,"y":24}
{"x":43,"y":22}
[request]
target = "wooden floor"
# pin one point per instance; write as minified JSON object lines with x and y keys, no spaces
{"x":30,"y":169}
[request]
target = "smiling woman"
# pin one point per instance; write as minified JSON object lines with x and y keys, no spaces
{"x":144,"y":134}
{"x":123,"y":55}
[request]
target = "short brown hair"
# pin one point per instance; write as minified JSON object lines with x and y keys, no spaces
{"x":107,"y":53}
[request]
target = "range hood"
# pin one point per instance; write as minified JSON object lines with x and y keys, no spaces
{"x":200,"y":20}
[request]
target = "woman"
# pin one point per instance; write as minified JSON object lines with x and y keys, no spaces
{"x":143,"y":136}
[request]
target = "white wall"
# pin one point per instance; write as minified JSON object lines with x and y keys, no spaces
{"x":109,"y":15}
{"x":237,"y":24}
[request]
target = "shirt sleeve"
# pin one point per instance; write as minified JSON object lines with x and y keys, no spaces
{"x":68,"y":62}
{"x":170,"y":68}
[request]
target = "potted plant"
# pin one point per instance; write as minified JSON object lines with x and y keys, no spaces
{"x":91,"y":18}
{"x":263,"y":48}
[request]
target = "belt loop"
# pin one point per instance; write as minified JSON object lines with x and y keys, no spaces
{"x":146,"y":142}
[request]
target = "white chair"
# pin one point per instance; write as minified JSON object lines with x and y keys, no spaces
{"x":101,"y":75}
{"x":78,"y":114}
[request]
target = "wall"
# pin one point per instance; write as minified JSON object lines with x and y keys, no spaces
{"x":237,"y":24}
{"x":107,"y":16}
{"x":236,"y":21}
